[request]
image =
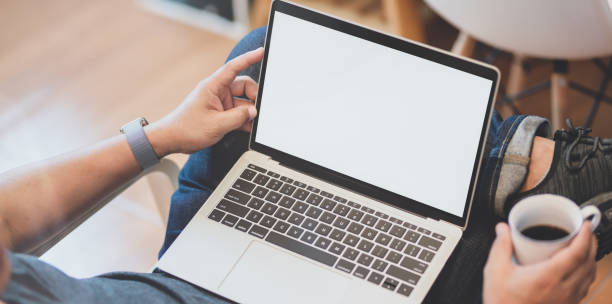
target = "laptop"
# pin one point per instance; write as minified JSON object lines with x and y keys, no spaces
{"x":361,"y":170}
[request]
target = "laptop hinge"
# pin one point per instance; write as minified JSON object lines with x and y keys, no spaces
{"x":260,"y":156}
{"x":445,"y":222}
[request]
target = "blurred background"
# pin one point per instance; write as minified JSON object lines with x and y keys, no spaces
{"x":72,"y":72}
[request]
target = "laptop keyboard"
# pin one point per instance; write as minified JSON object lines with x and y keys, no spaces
{"x":329,"y":229}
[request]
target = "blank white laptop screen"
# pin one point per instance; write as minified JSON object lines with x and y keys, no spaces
{"x":397,"y":121}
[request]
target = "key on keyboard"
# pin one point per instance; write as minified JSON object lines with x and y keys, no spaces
{"x":329,"y":229}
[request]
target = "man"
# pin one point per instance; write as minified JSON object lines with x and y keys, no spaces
{"x":37,"y":199}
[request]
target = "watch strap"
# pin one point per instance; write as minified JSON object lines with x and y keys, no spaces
{"x":140,"y":145}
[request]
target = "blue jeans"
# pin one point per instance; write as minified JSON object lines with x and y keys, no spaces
{"x":460,"y":280}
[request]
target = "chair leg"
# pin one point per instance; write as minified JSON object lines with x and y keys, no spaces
{"x":559,"y":94}
{"x":515,"y":84}
{"x":600,"y":95}
{"x":464,"y":45}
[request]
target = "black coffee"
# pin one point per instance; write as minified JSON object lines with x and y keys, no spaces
{"x":544,"y":232}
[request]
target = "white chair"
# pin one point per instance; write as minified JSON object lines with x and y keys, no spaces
{"x":560,"y":30}
{"x":102,"y":247}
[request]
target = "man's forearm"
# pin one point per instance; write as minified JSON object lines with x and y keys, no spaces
{"x":39,"y":199}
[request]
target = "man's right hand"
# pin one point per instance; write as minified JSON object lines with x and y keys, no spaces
{"x":563,"y":278}
{"x":210,"y":111}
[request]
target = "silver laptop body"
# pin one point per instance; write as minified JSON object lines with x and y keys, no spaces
{"x":360,"y":175}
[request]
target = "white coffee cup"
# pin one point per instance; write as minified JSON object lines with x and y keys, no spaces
{"x":549,"y":210}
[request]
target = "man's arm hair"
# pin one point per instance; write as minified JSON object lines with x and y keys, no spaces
{"x":38,"y":200}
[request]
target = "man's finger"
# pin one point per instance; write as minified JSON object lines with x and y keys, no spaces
{"x":581,"y":275}
{"x":588,"y":267}
{"x":238,"y":102}
{"x":235,"y":118}
{"x":227,"y":100}
{"x":501,"y":250}
{"x":568,"y":259}
{"x":247,"y":127}
{"x":226,"y":74}
{"x":244,"y":85}
{"x":594,"y":244}
{"x":585,"y":285}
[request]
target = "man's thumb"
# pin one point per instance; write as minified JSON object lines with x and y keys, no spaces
{"x":234,"y":118}
{"x":501,"y":250}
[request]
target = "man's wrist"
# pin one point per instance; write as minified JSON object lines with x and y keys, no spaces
{"x":157,"y":135}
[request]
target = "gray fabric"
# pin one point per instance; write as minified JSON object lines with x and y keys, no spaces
{"x":34,"y":281}
{"x":516,"y":159}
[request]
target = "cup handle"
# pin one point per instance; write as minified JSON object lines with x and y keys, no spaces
{"x":593,"y":211}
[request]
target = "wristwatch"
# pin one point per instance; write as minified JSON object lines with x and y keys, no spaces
{"x":139,"y":143}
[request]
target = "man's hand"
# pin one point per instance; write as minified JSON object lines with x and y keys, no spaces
{"x":563,"y":278}
{"x":38,"y":200}
{"x":210,"y":111}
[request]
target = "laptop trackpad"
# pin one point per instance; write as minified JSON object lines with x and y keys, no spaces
{"x":266,"y":274}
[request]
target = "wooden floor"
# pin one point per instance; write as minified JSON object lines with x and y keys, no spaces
{"x":72,"y":72}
